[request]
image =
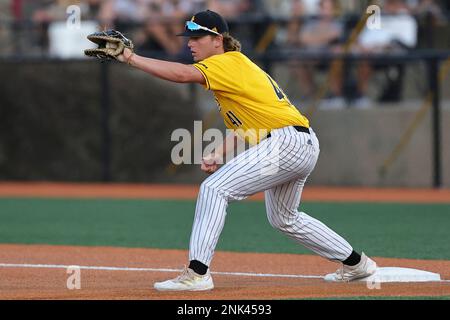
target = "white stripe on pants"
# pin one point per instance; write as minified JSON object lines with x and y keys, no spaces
{"x":279,"y":166}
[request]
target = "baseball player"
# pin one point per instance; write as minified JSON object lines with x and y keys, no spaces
{"x":249,"y":101}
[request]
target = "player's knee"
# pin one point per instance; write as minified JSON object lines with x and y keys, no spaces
{"x":271,"y":216}
{"x":280,"y":222}
{"x":209,"y":186}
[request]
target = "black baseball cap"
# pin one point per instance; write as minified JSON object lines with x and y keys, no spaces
{"x":208,"y":19}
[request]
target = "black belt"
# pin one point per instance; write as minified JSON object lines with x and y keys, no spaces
{"x":298,"y":128}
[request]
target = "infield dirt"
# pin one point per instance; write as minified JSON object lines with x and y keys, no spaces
{"x":51,"y":283}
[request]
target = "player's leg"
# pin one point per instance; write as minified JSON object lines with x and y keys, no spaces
{"x":281,"y":205}
{"x":261,"y":167}
{"x":282,"y":202}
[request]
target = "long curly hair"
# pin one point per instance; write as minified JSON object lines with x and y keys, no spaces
{"x":230,"y":43}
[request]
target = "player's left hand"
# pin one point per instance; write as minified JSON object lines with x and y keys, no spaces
{"x":110,"y":45}
{"x":125,"y":55}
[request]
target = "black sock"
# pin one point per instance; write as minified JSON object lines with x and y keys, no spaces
{"x":353,"y":259}
{"x":198,"y":267}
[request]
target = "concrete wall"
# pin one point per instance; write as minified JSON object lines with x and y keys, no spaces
{"x":355,"y":144}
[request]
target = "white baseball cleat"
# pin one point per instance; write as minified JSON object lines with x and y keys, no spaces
{"x":188,"y":280}
{"x":366,"y":267}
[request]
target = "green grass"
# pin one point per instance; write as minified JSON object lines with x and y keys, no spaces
{"x":389,"y":230}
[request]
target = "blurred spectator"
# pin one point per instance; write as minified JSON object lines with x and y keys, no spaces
{"x":163,"y":20}
{"x":90,"y":9}
{"x":48,"y":11}
{"x":398,"y":33}
{"x":297,"y":12}
{"x":54,"y":11}
{"x":398,"y":30}
{"x":237,"y":10}
{"x":291,"y":8}
{"x":312,"y":7}
{"x":115,"y":13}
{"x":423,"y":9}
{"x":325,"y":31}
{"x":321,"y":34}
{"x":227,"y":8}
{"x":432,"y":21}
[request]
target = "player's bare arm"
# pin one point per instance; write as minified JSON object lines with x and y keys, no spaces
{"x":171,"y":71}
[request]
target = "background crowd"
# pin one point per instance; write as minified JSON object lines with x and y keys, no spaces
{"x":313,"y":26}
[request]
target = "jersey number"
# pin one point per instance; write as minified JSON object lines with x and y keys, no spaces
{"x":280,"y":94}
{"x":234,"y":120}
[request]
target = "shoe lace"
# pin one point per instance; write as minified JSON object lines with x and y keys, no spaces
{"x":184,"y":275}
{"x":340,"y":272}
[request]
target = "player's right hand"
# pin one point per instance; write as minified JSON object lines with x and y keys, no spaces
{"x":210,"y":163}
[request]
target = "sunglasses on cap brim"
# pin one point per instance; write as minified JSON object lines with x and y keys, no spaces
{"x":192,"y":26}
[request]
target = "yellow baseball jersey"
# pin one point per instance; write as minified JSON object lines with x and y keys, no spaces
{"x":249,"y":100}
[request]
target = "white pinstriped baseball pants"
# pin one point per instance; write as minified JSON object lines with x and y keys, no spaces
{"x":279,"y":166}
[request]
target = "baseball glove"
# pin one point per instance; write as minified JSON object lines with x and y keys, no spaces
{"x":111,"y":44}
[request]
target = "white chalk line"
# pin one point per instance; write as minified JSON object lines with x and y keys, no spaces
{"x":103,"y":268}
{"x":239,"y":274}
